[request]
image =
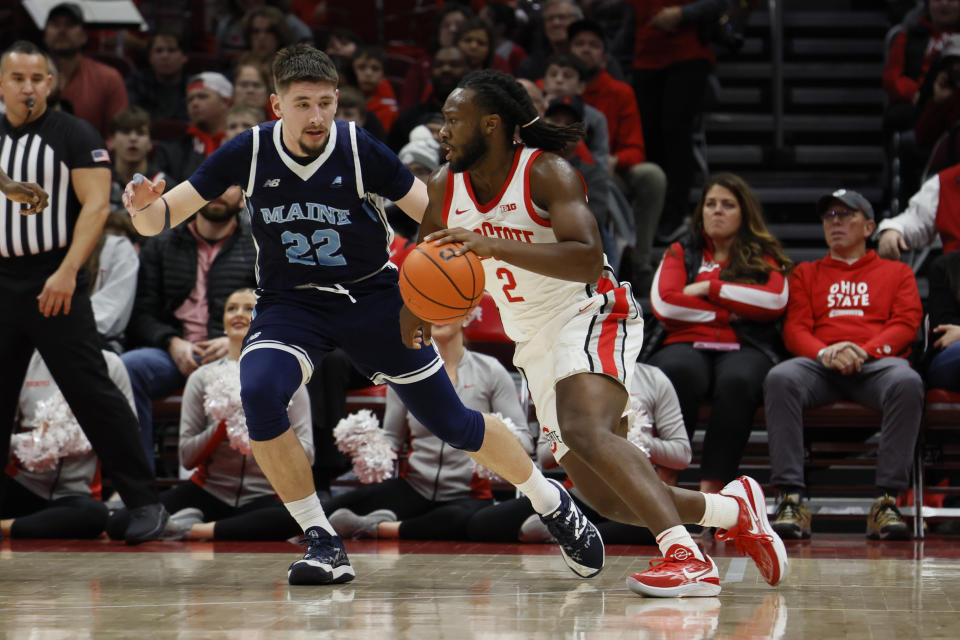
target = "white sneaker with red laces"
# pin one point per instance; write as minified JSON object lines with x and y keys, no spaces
{"x":753,"y":535}
{"x":679,"y":574}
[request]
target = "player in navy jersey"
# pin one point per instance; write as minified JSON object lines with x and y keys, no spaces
{"x":313,"y":186}
{"x":524,"y":212}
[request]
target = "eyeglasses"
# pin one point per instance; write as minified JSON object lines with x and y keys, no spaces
{"x":843,"y":215}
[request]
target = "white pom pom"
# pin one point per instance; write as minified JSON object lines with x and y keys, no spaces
{"x":359,"y":436}
{"x":222,"y":403}
{"x":55,"y":434}
{"x":640,"y":426}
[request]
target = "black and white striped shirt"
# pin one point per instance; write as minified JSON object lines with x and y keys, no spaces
{"x":44,"y":151}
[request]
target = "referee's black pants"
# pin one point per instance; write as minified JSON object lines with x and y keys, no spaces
{"x":70,"y":346}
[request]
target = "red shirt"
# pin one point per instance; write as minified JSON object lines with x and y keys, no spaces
{"x":617,"y":102}
{"x":656,"y":49}
{"x":97,"y":93}
{"x":695,"y":319}
{"x":383,"y":104}
{"x":872,"y":302}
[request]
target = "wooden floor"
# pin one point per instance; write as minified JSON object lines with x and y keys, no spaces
{"x":840,"y":586}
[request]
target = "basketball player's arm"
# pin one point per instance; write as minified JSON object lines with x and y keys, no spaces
{"x":577,"y":255}
{"x":143,"y":201}
{"x":415,"y":202}
{"x":92,"y":186}
{"x":28,"y":193}
{"x":414,"y":331}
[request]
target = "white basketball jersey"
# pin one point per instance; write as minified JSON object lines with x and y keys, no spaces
{"x":526,"y":300}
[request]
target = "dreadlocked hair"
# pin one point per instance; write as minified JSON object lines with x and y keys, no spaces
{"x":498,"y":92}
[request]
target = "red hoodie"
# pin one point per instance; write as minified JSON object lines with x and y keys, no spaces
{"x":872,"y":302}
{"x":617,"y":102}
{"x":695,"y":319}
{"x":383,"y":104}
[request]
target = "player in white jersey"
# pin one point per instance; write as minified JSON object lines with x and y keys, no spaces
{"x":523,"y":211}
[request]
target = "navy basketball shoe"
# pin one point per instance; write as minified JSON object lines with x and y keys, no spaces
{"x":325,"y":561}
{"x":580,"y":542}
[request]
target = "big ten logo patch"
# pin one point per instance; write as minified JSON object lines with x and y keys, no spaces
{"x":510,"y":206}
{"x":848,"y":298}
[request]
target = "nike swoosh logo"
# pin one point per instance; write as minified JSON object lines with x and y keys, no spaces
{"x":693,"y":575}
{"x":586,"y":307}
{"x":460,"y":212}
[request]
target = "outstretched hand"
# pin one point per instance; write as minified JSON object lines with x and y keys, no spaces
{"x":28,"y":193}
{"x":414,"y":331}
{"x":141,"y":192}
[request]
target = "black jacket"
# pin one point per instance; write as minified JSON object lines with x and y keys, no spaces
{"x":168,"y":273}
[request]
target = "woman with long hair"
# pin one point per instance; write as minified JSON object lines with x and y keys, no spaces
{"x":718,"y":294}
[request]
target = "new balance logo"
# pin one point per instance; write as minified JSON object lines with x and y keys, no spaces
{"x":274,"y":182}
{"x":337,"y":182}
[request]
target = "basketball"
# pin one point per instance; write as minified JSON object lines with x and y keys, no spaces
{"x":440,"y":286}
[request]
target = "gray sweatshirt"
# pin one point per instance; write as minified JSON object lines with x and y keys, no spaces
{"x":221,"y":470}
{"x":436,"y":470}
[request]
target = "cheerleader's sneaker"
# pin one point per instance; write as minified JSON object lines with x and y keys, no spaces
{"x":753,"y":535}
{"x":679,"y":574}
{"x":324,"y":562}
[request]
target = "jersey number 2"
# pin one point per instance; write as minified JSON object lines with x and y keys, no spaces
{"x":318,"y":250}
{"x":504,"y":274}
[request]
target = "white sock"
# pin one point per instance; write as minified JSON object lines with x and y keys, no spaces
{"x":678,"y":535}
{"x":720,"y":511}
{"x":543,"y":494}
{"x":309,"y":513}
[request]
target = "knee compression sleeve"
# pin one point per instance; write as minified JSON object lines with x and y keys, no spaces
{"x":436,"y":405}
{"x":268,"y":379}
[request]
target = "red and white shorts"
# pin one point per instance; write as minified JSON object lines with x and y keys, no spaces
{"x":601,"y":335}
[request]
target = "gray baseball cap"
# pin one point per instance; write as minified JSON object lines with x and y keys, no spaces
{"x":851,"y":198}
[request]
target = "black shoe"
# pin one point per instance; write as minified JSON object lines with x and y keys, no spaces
{"x":580,"y":542}
{"x":325,"y":561}
{"x":146,"y":523}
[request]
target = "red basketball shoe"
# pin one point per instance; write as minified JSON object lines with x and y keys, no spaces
{"x":753,"y":535}
{"x":679,"y":574}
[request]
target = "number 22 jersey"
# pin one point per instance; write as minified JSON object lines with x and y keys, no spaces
{"x":316,"y":221}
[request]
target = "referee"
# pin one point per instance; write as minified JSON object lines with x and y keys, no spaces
{"x":43,"y":285}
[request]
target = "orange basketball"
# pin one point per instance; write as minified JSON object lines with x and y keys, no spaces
{"x":440,"y":286}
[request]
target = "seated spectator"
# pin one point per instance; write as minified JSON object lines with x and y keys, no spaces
{"x":556,"y":16}
{"x":926,"y":33}
{"x":718,"y":294}
{"x":935,"y":209}
{"x":564,"y":78}
{"x":266,"y":32}
{"x":208,"y":98}
{"x":161,"y":88}
{"x":95,"y":90}
{"x":671,"y":66}
{"x":938,"y":104}
{"x":351,"y":106}
{"x":241,"y":117}
{"x":342,"y":43}
{"x":438,"y":488}
{"x":943,"y":304}
{"x":231,"y":41}
{"x":656,"y":413}
{"x":252,"y":84}
{"x":228,"y":497}
{"x":502,"y":19}
{"x":644,"y":183}
{"x":416,"y":84}
{"x":475,"y":38}
{"x":850,"y":322}
{"x":381,"y":100}
{"x":62,"y":501}
{"x":186,"y":275}
{"x":130,"y":143}
{"x":449,"y":66}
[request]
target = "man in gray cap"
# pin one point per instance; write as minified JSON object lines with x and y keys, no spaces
{"x":96,"y":91}
{"x":850,"y":321}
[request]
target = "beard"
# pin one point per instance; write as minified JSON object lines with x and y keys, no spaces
{"x":219,"y":211}
{"x":473,"y":150}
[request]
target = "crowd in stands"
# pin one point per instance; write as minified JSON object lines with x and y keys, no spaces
{"x":735,"y":325}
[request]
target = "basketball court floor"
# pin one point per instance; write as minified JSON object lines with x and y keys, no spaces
{"x":840,"y":586}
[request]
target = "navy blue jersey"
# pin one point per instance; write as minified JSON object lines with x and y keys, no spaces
{"x":319,"y":223}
